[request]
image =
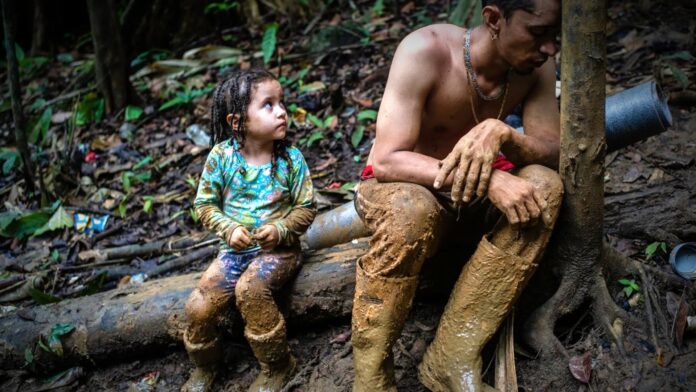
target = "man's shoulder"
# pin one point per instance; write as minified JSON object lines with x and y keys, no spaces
{"x":432,"y":42}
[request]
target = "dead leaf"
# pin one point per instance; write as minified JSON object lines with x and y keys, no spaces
{"x":341,"y":337}
{"x":581,"y":367}
{"x":680,"y":321}
{"x":410,"y":6}
{"x":105,"y":143}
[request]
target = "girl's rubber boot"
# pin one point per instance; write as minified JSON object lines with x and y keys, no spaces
{"x":278,"y":366}
{"x":205,"y":356}
{"x":484,"y":294}
{"x":380,"y":308}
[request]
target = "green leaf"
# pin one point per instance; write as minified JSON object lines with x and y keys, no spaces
{"x":10,"y":156}
{"x":40,"y":129}
{"x":315,"y":120}
{"x":42,"y":298}
{"x":357,"y":135}
{"x":147,"y":206}
{"x":141,"y":163}
{"x":28,"y":356}
{"x":625,"y":282}
{"x":27,"y":224}
{"x":378,"y":7}
{"x":679,"y":75}
{"x":348,"y":186}
{"x":19,"y":53}
{"x":61,"y":329}
{"x":313,"y":137}
{"x":59,"y":220}
{"x":328,"y":121}
{"x":133,"y":113}
{"x":356,"y":158}
{"x":179,"y":100}
{"x":367,"y":114}
{"x":651,"y":249}
{"x":663,"y":246}
{"x":122,"y":208}
{"x":193,"y":214}
{"x":268,"y":44}
{"x":683,"y":55}
{"x":55,"y":255}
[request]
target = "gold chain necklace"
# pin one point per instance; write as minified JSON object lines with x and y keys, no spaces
{"x":471,"y":78}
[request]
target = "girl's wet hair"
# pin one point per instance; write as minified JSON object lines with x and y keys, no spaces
{"x":232,"y":96}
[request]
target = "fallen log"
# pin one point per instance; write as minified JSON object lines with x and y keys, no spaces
{"x":149,"y":318}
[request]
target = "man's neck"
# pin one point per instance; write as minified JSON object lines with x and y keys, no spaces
{"x":489,"y":67}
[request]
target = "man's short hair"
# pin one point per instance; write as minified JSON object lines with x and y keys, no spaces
{"x":509,"y":6}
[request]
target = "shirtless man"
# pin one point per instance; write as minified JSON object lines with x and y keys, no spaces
{"x":439,"y":130}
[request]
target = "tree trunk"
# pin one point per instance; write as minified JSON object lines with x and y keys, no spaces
{"x":39,"y":39}
{"x":137,"y":321}
{"x":134,"y":321}
{"x":8,"y":18}
{"x":576,"y":246}
{"x":111,"y":62}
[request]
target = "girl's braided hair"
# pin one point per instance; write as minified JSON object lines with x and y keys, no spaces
{"x":232,"y":96}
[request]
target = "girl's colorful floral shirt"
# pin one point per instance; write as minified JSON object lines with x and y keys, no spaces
{"x":232,"y":192}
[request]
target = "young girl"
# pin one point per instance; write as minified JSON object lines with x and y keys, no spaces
{"x":256,"y":194}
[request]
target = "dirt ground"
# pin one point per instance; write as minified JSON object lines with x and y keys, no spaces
{"x":650,"y":196}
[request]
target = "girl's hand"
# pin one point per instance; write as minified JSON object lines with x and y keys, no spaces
{"x":239,"y":239}
{"x":267,"y":236}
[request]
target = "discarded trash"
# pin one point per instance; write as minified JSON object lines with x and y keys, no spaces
{"x":198,"y":134}
{"x":146,"y":384}
{"x":65,"y":379}
{"x":126,"y":130}
{"x":683,"y":260}
{"x":90,"y":224}
{"x":138,"y":278}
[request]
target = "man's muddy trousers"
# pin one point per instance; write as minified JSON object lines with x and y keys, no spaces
{"x":409,"y":224}
{"x":250,"y":279}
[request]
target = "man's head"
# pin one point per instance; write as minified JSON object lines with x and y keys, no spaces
{"x":523,"y":31}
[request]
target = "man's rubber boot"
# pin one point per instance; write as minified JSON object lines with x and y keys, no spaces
{"x":380,"y":308}
{"x":205,"y":356}
{"x":278,"y":366}
{"x":484,"y":294}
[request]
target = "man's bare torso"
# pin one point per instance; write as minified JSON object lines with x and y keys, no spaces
{"x":447,"y":112}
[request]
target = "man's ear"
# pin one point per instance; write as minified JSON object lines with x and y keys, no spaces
{"x":492,"y":18}
{"x":233,"y":121}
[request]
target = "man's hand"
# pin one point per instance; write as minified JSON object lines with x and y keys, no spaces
{"x":519,"y":201}
{"x":472,"y":158}
{"x":267,"y":236}
{"x":239,"y":239}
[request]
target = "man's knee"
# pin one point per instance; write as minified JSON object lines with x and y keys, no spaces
{"x":546,"y":181}
{"x":415,"y":212}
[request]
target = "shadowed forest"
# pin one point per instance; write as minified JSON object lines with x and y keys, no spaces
{"x":105,"y":130}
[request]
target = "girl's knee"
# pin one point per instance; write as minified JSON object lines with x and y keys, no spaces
{"x":250,"y":288}
{"x":200,"y":308}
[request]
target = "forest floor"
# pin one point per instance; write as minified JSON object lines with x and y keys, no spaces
{"x":650,"y":189}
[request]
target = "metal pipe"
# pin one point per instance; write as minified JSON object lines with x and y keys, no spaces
{"x":636,"y":114}
{"x":334,"y":227}
{"x":630,"y":116}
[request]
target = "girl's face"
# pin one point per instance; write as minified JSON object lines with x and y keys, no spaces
{"x":266,"y":118}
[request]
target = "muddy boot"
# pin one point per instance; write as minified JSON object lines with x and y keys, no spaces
{"x":206,"y":357}
{"x":484,"y":294}
{"x":380,"y":308}
{"x":277,"y":365}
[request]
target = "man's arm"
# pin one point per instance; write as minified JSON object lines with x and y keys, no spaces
{"x":472,"y":157}
{"x":540,"y":142}
{"x":412,"y":77}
